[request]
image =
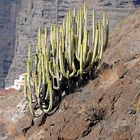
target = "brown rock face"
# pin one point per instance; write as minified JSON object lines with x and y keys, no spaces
{"x":40,"y":13}
{"x":107,"y":108}
{"x":10,"y":113}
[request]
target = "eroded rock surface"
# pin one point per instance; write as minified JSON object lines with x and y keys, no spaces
{"x":12,"y":110}
{"x":107,"y":108}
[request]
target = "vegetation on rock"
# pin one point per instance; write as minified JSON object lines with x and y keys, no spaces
{"x":64,"y":59}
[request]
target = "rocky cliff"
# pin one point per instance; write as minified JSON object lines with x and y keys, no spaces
{"x":41,"y":13}
{"x":106,"y":108}
{"x":8,"y":13}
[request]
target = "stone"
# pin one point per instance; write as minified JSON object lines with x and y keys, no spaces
{"x":106,"y":108}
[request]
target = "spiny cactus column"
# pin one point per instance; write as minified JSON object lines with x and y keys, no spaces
{"x":66,"y":55}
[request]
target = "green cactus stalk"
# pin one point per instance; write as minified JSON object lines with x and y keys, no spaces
{"x":29,"y":68}
{"x":43,"y":69}
{"x":47,"y":75}
{"x":94,"y":52}
{"x":66,"y":55}
{"x":102,"y":42}
{"x":29,"y":95}
{"x":61,"y":57}
{"x":81,"y":60}
{"x":25,"y":87}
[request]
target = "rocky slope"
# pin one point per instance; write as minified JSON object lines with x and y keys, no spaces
{"x":42,"y":13}
{"x":8,"y":13}
{"x":107,"y":108}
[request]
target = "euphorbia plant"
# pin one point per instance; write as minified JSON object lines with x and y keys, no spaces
{"x":67,"y":53}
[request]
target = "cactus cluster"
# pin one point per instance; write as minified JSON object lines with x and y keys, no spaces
{"x":70,"y":50}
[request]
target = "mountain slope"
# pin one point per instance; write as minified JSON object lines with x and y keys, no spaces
{"x":107,"y":108}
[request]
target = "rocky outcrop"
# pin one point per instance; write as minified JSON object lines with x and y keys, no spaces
{"x":12,"y":108}
{"x":42,"y":13}
{"x":107,"y":108}
{"x":8,"y":13}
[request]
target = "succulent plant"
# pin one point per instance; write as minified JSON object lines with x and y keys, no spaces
{"x":67,"y":54}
